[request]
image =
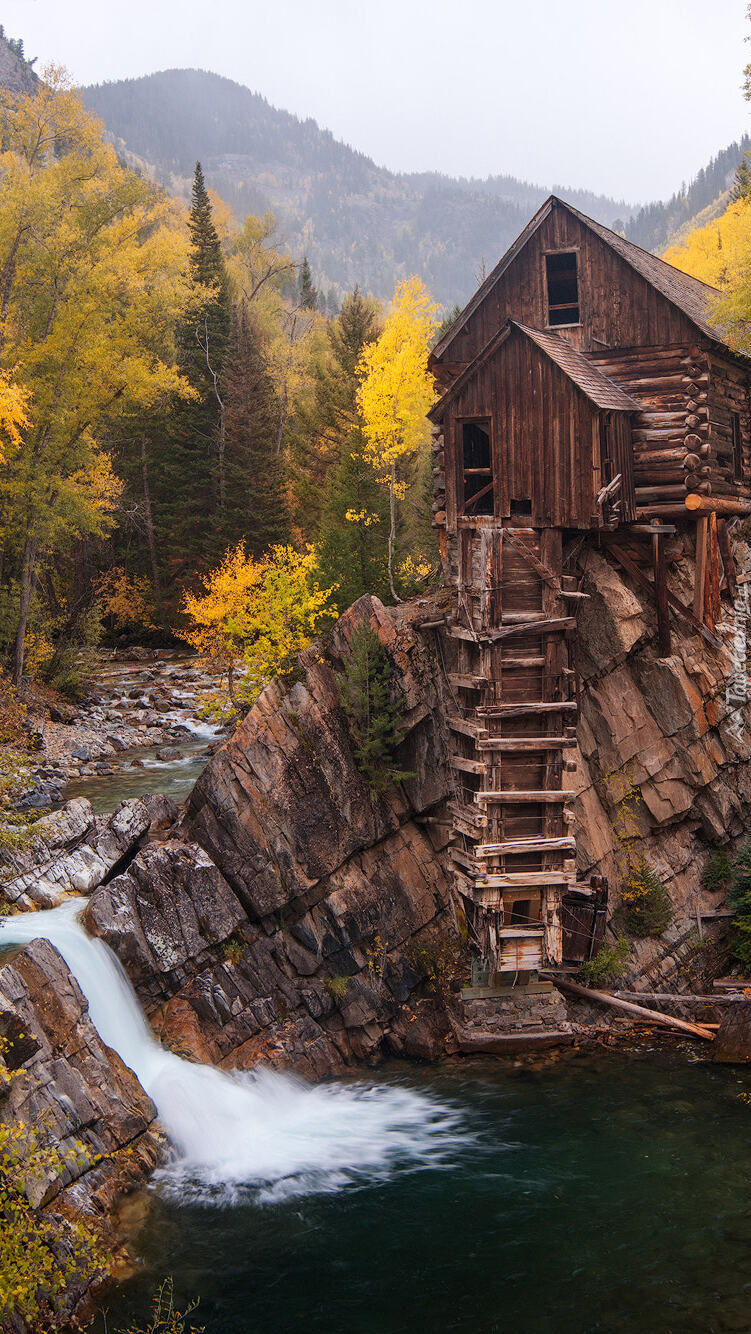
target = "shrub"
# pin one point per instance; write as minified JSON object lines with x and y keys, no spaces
{"x":739,"y":894}
{"x":647,"y":910}
{"x":374,"y":716}
{"x":233,"y":948}
{"x":336,"y":987}
{"x":717,"y":871}
{"x":444,"y":961}
{"x":165,"y":1317}
{"x":41,"y":1254}
{"x":608,"y":964}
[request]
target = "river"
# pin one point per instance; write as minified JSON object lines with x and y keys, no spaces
{"x":602,"y":1194}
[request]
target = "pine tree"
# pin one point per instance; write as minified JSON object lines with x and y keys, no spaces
{"x":255,"y":509}
{"x":374,"y":716}
{"x":190,"y":456}
{"x":328,"y":422}
{"x":308,"y":293}
{"x":353,"y":541}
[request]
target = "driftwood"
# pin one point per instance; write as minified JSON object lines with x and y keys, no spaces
{"x":638,"y":1011}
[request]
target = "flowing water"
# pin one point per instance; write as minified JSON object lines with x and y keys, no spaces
{"x":605,"y":1193}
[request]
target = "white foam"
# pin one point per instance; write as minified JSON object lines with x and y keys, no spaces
{"x":264,"y":1133}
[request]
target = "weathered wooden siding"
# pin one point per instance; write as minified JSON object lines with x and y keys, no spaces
{"x":617,"y":307}
{"x":545,"y":437}
{"x":728,"y":394}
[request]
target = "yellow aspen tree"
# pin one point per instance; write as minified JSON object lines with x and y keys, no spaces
{"x":396,"y":391}
{"x":719,"y":254}
{"x":92,"y":264}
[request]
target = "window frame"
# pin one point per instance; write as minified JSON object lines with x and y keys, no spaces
{"x":546,"y":254}
{"x":486,"y":422}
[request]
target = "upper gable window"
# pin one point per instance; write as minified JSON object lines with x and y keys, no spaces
{"x":563,"y":288}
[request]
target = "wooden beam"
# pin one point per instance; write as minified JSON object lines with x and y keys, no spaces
{"x":524,"y":879}
{"x":639,"y":1011}
{"x":661,"y":589}
{"x":714,"y":568}
{"x":518,"y":710}
{"x":728,"y":560}
{"x":468,"y":766}
{"x":525,"y":845}
{"x":701,"y":567}
{"x":526,"y":743}
{"x":466,"y":728}
{"x":545,"y":574}
{"x":717,"y":504}
{"x":640,"y":578}
{"x":534,"y":794}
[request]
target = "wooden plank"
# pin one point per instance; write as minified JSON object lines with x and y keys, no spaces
{"x":514,"y":795}
{"x":714,"y":568}
{"x":522,"y":743}
{"x":468,"y":766}
{"x":640,"y":578}
{"x":466,"y":728}
{"x":728,"y":560}
{"x":661,"y":589}
{"x":530,"y":557}
{"x":467,"y":682}
{"x":517,"y":710}
{"x":516,"y":845}
{"x":531,"y":879}
{"x":542,"y":626}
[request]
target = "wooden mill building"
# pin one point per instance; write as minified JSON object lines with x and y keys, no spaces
{"x":585,"y":390}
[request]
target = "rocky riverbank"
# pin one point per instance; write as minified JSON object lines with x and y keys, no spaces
{"x":137,"y":728}
{"x":286,"y":917}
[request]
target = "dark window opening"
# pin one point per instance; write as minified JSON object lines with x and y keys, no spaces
{"x":520,"y":507}
{"x":477,"y":468}
{"x":563,"y":288}
{"x":737,"y":447}
{"x":522,"y":912}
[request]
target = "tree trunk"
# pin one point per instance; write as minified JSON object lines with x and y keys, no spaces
{"x":150,"y":524}
{"x":27,"y":583}
{"x":392,"y":536}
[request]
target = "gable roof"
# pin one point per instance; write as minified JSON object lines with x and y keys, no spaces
{"x":594,"y":384}
{"x":597,"y":386}
{"x":688,"y":294}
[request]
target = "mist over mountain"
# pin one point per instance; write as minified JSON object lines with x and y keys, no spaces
{"x":357,"y":222}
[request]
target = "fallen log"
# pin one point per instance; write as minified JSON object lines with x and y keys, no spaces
{"x":638,"y":1011}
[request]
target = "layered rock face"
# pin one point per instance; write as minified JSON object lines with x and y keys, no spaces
{"x":293,"y":917}
{"x":664,"y":745}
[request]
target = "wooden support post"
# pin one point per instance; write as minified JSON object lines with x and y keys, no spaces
{"x":728,"y":560}
{"x":708,"y":609}
{"x":661,"y":590}
{"x":714,"y":569}
{"x":701,"y":566}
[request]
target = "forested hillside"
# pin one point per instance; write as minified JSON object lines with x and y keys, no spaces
{"x":357,"y":222}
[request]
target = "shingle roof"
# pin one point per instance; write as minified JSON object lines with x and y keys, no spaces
{"x":598,"y":387}
{"x":688,"y":294}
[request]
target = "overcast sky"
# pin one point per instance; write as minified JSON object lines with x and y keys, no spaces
{"x":629,"y":97}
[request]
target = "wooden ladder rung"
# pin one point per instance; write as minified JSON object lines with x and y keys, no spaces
{"x":533,"y":795}
{"x":526,"y":743}
{"x":525,"y":845}
{"x":516,"y":710}
{"x":468,"y":682}
{"x":468,"y":766}
{"x":466,"y":727}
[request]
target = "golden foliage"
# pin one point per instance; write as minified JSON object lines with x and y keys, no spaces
{"x":720,"y":254}
{"x":396,"y":388}
{"x":261,"y":613}
{"x":126,"y":601}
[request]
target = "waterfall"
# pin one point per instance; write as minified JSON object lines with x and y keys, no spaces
{"x":264,"y":1133}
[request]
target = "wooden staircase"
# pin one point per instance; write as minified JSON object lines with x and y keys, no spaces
{"x":511,"y":735}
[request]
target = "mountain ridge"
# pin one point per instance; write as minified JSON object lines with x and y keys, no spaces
{"x":358,"y":222}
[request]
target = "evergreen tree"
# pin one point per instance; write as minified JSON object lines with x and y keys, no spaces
{"x":189,"y":463}
{"x":308,"y":293}
{"x":255,"y":509}
{"x":374,"y":716}
{"x":328,"y":421}
{"x":352,"y":549}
